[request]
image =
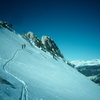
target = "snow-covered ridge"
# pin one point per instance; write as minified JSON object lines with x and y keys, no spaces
{"x":45,"y":43}
{"x":36,"y":75}
{"x":78,"y":63}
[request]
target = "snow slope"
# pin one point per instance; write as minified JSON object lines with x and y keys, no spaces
{"x":35,"y":75}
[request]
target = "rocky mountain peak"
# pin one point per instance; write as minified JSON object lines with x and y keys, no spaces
{"x":33,"y":39}
{"x":30,"y":35}
{"x":51,"y":46}
{"x":45,"y":43}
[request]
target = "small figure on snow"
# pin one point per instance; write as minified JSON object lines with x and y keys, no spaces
{"x":23,"y":46}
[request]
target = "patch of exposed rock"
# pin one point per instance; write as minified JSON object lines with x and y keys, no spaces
{"x":46,"y":44}
{"x":6,"y":25}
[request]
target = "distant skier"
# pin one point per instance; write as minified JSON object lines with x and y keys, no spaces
{"x":23,"y":46}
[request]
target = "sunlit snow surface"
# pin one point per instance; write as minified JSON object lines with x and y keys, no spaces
{"x":81,"y":63}
{"x":45,"y":78}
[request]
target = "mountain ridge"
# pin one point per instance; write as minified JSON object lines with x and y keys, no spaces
{"x":45,"y":43}
{"x":80,"y":63}
{"x":36,"y":75}
{"x":90,"y":68}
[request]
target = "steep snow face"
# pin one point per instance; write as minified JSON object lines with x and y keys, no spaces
{"x":35,"y":75}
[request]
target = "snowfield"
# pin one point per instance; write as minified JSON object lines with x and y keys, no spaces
{"x":81,"y":63}
{"x":33,"y":74}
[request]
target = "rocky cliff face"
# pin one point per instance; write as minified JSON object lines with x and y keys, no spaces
{"x":51,"y":46}
{"x":33,"y":39}
{"x":46,"y":44}
{"x":6,"y":25}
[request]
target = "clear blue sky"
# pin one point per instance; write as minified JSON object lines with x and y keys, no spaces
{"x":73,"y":24}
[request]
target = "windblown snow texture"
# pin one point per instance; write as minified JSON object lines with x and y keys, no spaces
{"x":37,"y":76}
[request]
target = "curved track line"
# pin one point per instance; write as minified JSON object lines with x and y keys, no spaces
{"x":24,"y":92}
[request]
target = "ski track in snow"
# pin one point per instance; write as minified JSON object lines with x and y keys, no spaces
{"x":24,"y":92}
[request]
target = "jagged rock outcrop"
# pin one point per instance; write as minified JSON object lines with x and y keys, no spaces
{"x":70,"y":64}
{"x":96,"y":79}
{"x":6,"y":25}
{"x":46,"y":44}
{"x":51,"y":46}
{"x":33,"y":39}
